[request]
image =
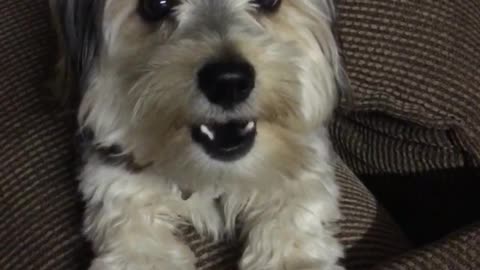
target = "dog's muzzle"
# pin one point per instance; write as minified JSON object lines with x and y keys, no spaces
{"x":228,"y":141}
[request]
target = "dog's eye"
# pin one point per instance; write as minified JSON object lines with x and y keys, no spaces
{"x":155,"y":10}
{"x":268,"y":5}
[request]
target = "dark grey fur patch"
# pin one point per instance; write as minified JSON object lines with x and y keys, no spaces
{"x":112,"y":155}
{"x":81,"y":37}
{"x":80,"y":34}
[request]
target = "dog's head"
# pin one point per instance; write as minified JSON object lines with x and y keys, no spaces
{"x":202,"y":86}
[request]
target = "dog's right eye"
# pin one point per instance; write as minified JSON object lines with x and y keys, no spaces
{"x":155,"y":10}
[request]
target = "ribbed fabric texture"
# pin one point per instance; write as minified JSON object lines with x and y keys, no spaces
{"x":367,"y":231}
{"x":39,"y":206}
{"x":415,"y":61}
{"x":375,"y":143}
{"x":459,"y":251}
{"x":413,"y":113}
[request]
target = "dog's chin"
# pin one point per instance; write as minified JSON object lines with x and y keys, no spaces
{"x":225,"y":141}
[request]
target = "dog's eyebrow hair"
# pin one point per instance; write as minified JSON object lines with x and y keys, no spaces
{"x":80,"y":27}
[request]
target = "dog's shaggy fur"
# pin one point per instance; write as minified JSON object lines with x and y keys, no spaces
{"x":136,"y":87}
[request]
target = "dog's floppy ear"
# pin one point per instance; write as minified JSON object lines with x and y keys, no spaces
{"x":343,"y":82}
{"x":327,"y":38}
{"x":79,"y":29}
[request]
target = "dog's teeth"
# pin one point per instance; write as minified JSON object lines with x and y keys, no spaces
{"x":205,"y":130}
{"x":250,"y":126}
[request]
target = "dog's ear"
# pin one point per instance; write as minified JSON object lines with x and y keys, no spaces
{"x":326,"y":35}
{"x":79,"y":30}
{"x":343,"y":82}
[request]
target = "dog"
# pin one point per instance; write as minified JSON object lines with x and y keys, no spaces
{"x":204,"y":112}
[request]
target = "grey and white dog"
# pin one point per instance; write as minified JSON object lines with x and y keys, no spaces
{"x":209,"y":112}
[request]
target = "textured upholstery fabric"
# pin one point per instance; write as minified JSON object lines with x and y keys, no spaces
{"x":416,"y":61}
{"x":460,"y":251}
{"x":379,"y":144}
{"x":411,"y":130}
{"x":39,"y":206}
{"x":367,"y":231}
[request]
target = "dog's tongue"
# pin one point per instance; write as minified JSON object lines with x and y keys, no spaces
{"x":225,"y":141}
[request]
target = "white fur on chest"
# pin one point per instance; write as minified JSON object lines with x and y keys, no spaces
{"x":139,"y":213}
{"x":147,"y":197}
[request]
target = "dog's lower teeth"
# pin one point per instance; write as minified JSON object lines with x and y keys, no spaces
{"x":249,"y":127}
{"x":205,"y":130}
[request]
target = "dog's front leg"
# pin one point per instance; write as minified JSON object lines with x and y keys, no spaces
{"x":292,"y":234}
{"x":131,"y":222}
{"x":141,"y":243}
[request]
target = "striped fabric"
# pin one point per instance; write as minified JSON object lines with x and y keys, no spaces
{"x":367,"y":231}
{"x":374,"y":143}
{"x":39,"y":206}
{"x":412,"y":128}
{"x":414,"y":110}
{"x":416,"y":61}
{"x":459,"y":251}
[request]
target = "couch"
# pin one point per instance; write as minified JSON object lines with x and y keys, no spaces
{"x":408,"y":142}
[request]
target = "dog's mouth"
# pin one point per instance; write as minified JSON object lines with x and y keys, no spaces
{"x":227,"y":141}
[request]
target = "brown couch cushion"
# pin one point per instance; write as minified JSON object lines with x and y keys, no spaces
{"x":459,"y":251}
{"x":374,"y":143}
{"x":417,"y":61}
{"x":412,"y":129}
{"x":367,"y":231}
{"x":39,"y":207}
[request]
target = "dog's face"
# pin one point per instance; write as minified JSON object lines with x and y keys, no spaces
{"x":203,"y":87}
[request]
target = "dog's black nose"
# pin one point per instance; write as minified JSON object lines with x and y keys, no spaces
{"x":227,"y":83}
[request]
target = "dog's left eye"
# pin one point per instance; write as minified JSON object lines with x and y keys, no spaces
{"x":155,"y":10}
{"x":268,"y":5}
